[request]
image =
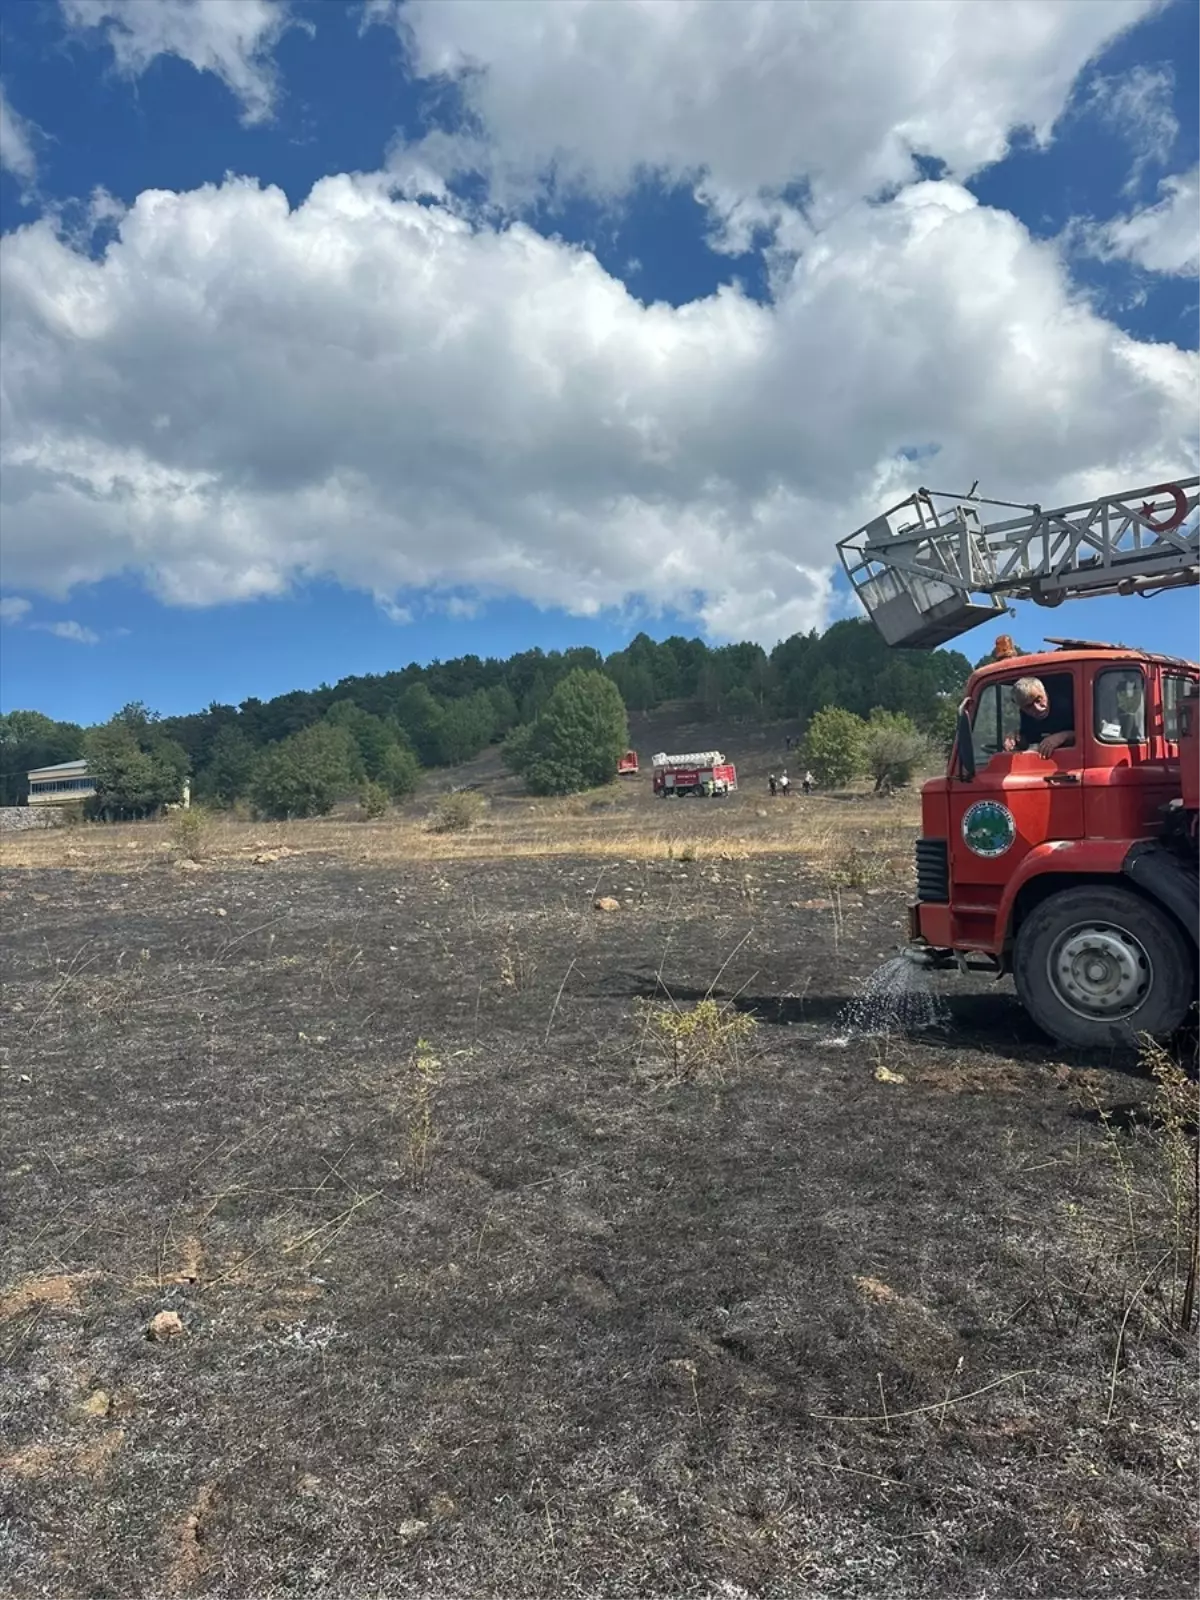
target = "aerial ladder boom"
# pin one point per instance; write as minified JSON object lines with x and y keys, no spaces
{"x":930,"y":568}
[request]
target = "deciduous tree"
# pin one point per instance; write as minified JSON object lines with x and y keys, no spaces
{"x":833,"y":746}
{"x":304,"y":774}
{"x":575,"y":742}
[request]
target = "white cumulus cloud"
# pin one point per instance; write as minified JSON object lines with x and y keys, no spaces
{"x":239,"y":395}
{"x":16,"y":143}
{"x":746,"y":99}
{"x":1164,"y":237}
{"x":234,"y":39}
{"x":74,"y":631}
{"x":13,"y":608}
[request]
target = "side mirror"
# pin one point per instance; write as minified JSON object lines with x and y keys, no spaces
{"x":965,"y":746}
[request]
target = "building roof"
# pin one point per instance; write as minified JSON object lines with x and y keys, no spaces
{"x":63,"y":769}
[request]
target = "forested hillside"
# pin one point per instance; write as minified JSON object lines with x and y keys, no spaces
{"x":384,"y":727}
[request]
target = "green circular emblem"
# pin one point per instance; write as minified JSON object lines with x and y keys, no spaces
{"x":988,"y":828}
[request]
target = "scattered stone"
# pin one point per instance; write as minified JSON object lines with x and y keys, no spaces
{"x":165,"y":1326}
{"x":606,"y":903}
{"x":412,"y":1528}
{"x":97,"y":1404}
{"x":810,"y":905}
{"x":885,"y":1075}
{"x":221,"y":912}
{"x":186,"y":864}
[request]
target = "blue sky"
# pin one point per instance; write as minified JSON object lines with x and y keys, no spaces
{"x":563,"y":323}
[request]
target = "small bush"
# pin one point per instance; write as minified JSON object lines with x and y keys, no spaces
{"x":855,"y":868}
{"x":373,"y":798}
{"x":457,"y":812}
{"x":190,"y":832}
{"x":73,"y":814}
{"x":703,"y":1041}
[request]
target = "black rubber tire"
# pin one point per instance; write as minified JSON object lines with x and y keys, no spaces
{"x":1173,"y":967}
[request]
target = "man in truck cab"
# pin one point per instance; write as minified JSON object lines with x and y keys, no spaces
{"x":1047,"y":717}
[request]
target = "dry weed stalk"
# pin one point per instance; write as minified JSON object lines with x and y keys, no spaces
{"x":1159,"y":1201}
{"x":425,"y":1077}
{"x":1177,"y":1117}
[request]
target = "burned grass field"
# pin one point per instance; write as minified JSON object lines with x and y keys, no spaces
{"x":489,"y":1273}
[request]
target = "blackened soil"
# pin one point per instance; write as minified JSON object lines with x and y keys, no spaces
{"x":482,"y":1297}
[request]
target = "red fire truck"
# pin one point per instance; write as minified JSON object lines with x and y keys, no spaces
{"x":702,"y":772}
{"x":1076,"y":871}
{"x":627,"y":765}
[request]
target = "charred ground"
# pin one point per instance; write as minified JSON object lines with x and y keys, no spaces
{"x":481,"y":1296}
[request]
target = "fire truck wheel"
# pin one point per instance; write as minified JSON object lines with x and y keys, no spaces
{"x":1096,"y":966}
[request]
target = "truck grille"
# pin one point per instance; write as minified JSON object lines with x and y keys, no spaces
{"x":933,"y":870}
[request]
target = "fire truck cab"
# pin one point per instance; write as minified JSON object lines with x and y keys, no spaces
{"x":1075,"y":871}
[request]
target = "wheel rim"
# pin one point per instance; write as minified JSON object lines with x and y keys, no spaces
{"x":1099,"y":970}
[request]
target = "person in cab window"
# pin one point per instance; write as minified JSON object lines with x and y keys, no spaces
{"x":1047,"y":717}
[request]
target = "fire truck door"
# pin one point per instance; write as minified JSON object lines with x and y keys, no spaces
{"x":1016,"y":800}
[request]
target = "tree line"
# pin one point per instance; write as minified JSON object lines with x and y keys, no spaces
{"x":295,"y":754}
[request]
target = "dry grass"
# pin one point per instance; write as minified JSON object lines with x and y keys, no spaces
{"x":821,"y":832}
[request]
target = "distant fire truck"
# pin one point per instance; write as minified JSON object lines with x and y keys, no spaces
{"x":703,"y":772}
{"x":627,"y":765}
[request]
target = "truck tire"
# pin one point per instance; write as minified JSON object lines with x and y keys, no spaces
{"x":1099,"y":966}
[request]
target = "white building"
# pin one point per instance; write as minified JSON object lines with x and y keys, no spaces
{"x":57,"y":785}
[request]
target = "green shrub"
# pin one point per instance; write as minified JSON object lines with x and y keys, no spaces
{"x":456,"y":813}
{"x":373,"y":798}
{"x":400,"y":771}
{"x":189,"y":830}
